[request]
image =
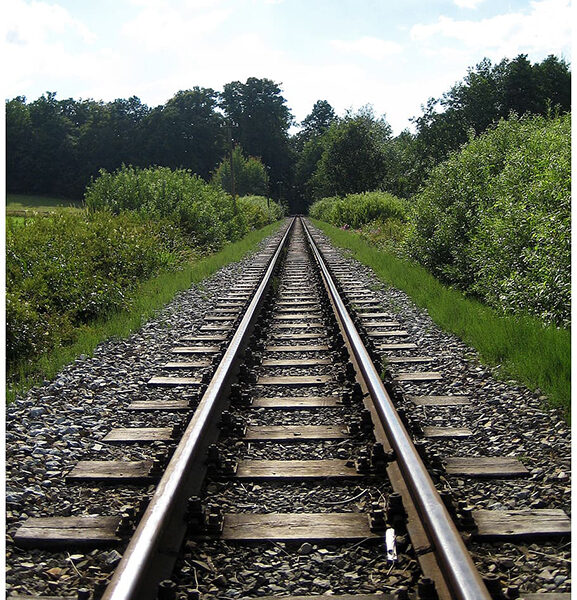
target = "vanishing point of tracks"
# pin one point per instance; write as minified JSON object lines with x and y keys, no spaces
{"x":282,"y":372}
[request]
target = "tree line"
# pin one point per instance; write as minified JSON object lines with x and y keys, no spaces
{"x":56,"y":146}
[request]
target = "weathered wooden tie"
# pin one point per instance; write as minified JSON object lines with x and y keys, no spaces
{"x":505,"y":525}
{"x":112,"y":471}
{"x":123,"y":435}
{"x":67,"y":532}
{"x":290,"y":433}
{"x":440,"y":400}
{"x":446,"y":432}
{"x":296,"y":402}
{"x":294,"y":380}
{"x":295,"y":469}
{"x":173,"y":381}
{"x":311,"y":527}
{"x":485,"y":466}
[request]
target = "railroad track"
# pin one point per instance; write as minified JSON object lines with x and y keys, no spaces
{"x":296,"y":449}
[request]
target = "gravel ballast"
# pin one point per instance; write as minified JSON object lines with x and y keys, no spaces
{"x":53,"y":426}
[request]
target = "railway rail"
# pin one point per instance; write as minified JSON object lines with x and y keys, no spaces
{"x":289,"y":365}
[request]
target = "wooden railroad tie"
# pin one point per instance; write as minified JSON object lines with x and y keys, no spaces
{"x":401,"y":346}
{"x":122,"y":435}
{"x":295,"y":433}
{"x":446,"y":432}
{"x":295,"y":362}
{"x":66,"y":532}
{"x":301,"y":527}
{"x":165,"y":405}
{"x":195,"y":350}
{"x":296,"y":402}
{"x":112,"y":471}
{"x":530,"y":524}
{"x":173,"y":381}
{"x":295,"y":469}
{"x":440,"y":400}
{"x":297,"y":348}
{"x":295,"y":380}
{"x":485,"y":466}
{"x":418,"y":376}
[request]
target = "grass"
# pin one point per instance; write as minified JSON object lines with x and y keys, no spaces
{"x":22,"y":205}
{"x":149,"y":297}
{"x":520,"y":348}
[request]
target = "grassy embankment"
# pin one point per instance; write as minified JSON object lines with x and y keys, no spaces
{"x":149,"y":297}
{"x":22,"y":205}
{"x":521,"y":348}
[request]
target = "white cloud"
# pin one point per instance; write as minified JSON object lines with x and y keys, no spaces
{"x":169,"y":26}
{"x":544,"y":29}
{"x":43,"y":45}
{"x":370,"y":47}
{"x":35,"y":22}
{"x":468,"y":3}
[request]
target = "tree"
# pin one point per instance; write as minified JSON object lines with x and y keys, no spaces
{"x":321,"y":117}
{"x":354,"y":157}
{"x":488,"y":93}
{"x":52,"y":147}
{"x":250,"y":177}
{"x":186,"y":132}
{"x":261,"y":119}
{"x":18,"y":145}
{"x":553,"y":80}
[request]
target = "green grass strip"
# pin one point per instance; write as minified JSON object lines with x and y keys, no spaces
{"x":25,"y":204}
{"x":149,"y":297}
{"x":521,"y":348}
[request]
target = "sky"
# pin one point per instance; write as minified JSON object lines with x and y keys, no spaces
{"x":392,"y":54}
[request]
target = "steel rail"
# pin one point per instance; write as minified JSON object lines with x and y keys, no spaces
{"x":129,"y":581}
{"x":461,"y":575}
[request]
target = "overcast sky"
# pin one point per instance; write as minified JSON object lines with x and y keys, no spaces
{"x":393,"y":54}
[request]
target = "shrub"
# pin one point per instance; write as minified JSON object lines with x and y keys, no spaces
{"x":69,"y":268}
{"x":250,"y":176}
{"x":380,"y":217}
{"x":205,"y":213}
{"x":260,"y":211}
{"x":495,"y":218}
{"x":356,"y":210}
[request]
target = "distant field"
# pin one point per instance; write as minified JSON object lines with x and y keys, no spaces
{"x":21,"y":204}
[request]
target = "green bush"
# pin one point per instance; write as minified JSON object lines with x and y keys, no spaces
{"x":250,"y":176}
{"x":356,"y":210}
{"x":495,"y":218}
{"x":69,"y":268}
{"x":205,"y":213}
{"x":260,"y":211}
{"x":380,"y":217}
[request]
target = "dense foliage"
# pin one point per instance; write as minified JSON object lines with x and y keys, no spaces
{"x":55,"y":146}
{"x":260,"y":121}
{"x":492,"y":219}
{"x":495,"y":218}
{"x":206,"y":214}
{"x":260,"y":211}
{"x":358,"y":153}
{"x":487,"y":94}
{"x":356,"y":210}
{"x":379,"y":217}
{"x":250,"y":176}
{"x":354,"y":155}
{"x":67,"y":269}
